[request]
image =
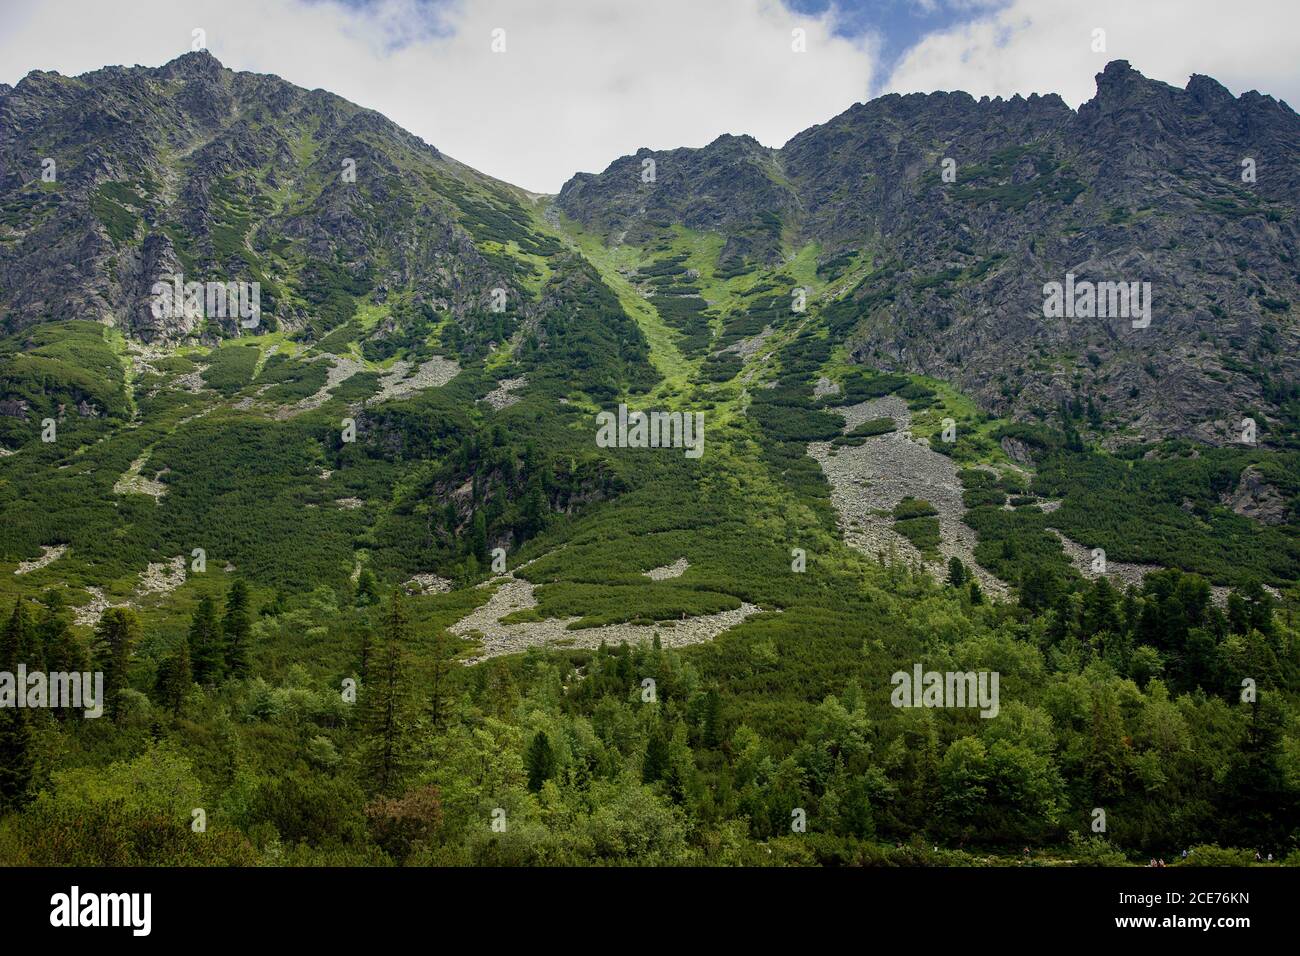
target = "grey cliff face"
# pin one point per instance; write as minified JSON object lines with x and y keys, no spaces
{"x":1191,"y":190}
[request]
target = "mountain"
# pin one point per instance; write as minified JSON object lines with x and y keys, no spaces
{"x":1142,"y":183}
{"x":192,"y":168}
{"x":618,"y":514}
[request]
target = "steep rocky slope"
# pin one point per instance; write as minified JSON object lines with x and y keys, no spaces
{"x":196,"y":170}
{"x":1144,"y":183}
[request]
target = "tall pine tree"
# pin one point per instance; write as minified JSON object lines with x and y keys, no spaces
{"x":364,"y":651}
{"x":478,"y":541}
{"x":441,"y":668}
{"x":237,"y":629}
{"x":385,"y":718}
{"x":115,"y":638}
{"x":17,"y":642}
{"x":63,"y":651}
{"x":655,"y":763}
{"x":206,"y":654}
{"x":175,"y":677}
{"x":540,"y":761}
{"x":15,"y":758}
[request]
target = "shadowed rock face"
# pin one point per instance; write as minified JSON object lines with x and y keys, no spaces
{"x":1144,"y":183}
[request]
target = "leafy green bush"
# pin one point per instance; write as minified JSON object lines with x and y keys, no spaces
{"x":1215,"y":855}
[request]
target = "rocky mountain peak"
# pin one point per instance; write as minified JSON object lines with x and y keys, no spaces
{"x":197,"y":63}
{"x":1208,"y":92}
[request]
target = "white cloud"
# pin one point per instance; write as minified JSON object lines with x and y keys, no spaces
{"x":1045,"y":46}
{"x":582,"y":81}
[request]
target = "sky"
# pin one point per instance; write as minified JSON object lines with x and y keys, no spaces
{"x":573,"y":84}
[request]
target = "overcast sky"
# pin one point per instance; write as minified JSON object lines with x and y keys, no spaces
{"x":581,"y":82}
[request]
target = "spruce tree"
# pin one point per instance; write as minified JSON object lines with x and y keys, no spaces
{"x":540,"y":761}
{"x":1256,"y":803}
{"x":1101,"y":608}
{"x":205,"y":644}
{"x":1260,"y":606}
{"x":711,"y":719}
{"x":655,"y":764}
{"x":501,"y":690}
{"x":956,"y":572}
{"x":1238,"y":614}
{"x":534,"y":509}
{"x":115,"y":638}
{"x":11,"y":637}
{"x":367,"y":588}
{"x":175,"y":677}
{"x":478,"y":538}
{"x":385,"y":720}
{"x":1105,"y":761}
{"x":17,"y":640}
{"x":363,"y":654}
{"x":441,"y":667}
{"x":15,"y":758}
{"x":236,"y":629}
{"x":63,"y":652}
